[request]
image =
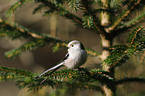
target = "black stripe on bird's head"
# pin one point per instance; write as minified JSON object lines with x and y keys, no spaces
{"x":82,"y":46}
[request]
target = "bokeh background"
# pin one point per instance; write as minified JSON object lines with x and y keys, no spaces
{"x":44,"y":58}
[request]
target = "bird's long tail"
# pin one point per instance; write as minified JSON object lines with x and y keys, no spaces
{"x":53,"y":68}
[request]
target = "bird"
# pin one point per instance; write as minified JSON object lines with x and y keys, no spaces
{"x":75,"y":57}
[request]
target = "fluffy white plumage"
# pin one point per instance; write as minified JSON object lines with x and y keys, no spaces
{"x":75,"y":57}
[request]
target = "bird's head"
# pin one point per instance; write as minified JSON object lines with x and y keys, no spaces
{"x":75,"y":45}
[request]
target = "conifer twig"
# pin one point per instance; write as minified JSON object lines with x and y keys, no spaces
{"x":38,"y":36}
{"x":80,"y":85}
{"x":21,"y":29}
{"x":13,"y":70}
{"x":119,"y":20}
{"x":88,"y":9}
{"x":131,"y":45}
{"x":67,"y":14}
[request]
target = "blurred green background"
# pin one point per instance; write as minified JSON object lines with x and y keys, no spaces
{"x":44,"y":58}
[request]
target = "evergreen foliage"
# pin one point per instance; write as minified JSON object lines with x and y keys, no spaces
{"x":82,"y":78}
{"x":121,"y":53}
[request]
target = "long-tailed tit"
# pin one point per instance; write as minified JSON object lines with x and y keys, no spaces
{"x":75,"y":57}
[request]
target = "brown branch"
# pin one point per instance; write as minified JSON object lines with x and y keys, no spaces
{"x":19,"y":28}
{"x":136,"y":34}
{"x":30,"y":33}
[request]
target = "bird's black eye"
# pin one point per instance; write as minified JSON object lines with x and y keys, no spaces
{"x":72,"y":45}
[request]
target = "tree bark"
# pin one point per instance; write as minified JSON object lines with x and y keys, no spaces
{"x":106,"y":44}
{"x":105,"y":16}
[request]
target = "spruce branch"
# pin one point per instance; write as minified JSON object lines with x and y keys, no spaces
{"x":117,"y":4}
{"x":24,"y":32}
{"x":13,"y":70}
{"x":74,"y":4}
{"x":15,"y":6}
{"x":66,"y":13}
{"x":16,"y":27}
{"x":38,"y":8}
{"x":27,"y":79}
{"x":79,"y":85}
{"x":101,"y":76}
{"x":32,"y":45}
{"x":89,"y":10}
{"x":27,"y":32}
{"x":122,"y":17}
{"x":52,"y":6}
{"x":82,"y":75}
{"x":130,"y":80}
{"x":92,"y":52}
{"x":13,"y":74}
{"x":121,"y":53}
{"x":136,"y":36}
{"x":133,"y":22}
{"x":69,"y":78}
{"x":34,"y":84}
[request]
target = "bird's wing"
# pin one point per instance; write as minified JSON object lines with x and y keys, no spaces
{"x":66,"y":57}
{"x":53,"y":68}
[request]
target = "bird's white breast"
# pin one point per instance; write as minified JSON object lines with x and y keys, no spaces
{"x":76,"y":59}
